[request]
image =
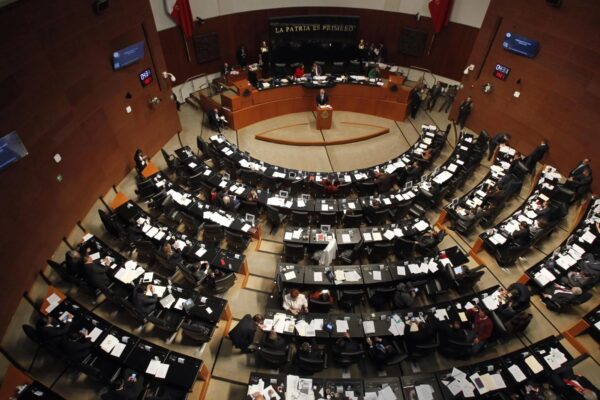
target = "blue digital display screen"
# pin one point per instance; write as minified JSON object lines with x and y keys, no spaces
{"x":12,"y":149}
{"x":521,"y":45}
{"x":128,"y":55}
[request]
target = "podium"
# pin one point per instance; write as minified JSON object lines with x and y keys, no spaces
{"x":324,"y":116}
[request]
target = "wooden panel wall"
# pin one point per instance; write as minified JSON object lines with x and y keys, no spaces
{"x":58,"y":90}
{"x":448,"y":55}
{"x":560,"y":89}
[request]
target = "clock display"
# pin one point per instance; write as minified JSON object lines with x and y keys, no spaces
{"x":501,"y":71}
{"x":146,"y":77}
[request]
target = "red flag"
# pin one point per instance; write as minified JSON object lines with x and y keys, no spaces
{"x":440,"y":13}
{"x":181,"y":13}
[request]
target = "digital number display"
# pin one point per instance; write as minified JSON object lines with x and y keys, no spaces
{"x":146,"y":77}
{"x":501,"y":71}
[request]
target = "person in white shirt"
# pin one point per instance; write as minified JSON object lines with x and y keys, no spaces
{"x":295,"y":302}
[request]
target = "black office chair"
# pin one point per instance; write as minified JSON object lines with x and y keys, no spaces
{"x":300,"y":218}
{"x":347,"y":257}
{"x":274,"y":218}
{"x":230,"y":168}
{"x":318,"y":306}
{"x":280,"y":70}
{"x":195,"y":182}
{"x":269,"y":183}
{"x":203,"y":152}
{"x":354,"y":67}
{"x":344,"y":190}
{"x":275,"y":358}
{"x":310,"y":365}
{"x":236,"y":241}
{"x":249,"y":177}
{"x":327,"y":218}
{"x":348,"y":299}
{"x":145,"y":250}
{"x":352,"y":220}
{"x":365,"y":188}
{"x":381,"y":296}
{"x":212,"y":234}
{"x":377,"y":218}
{"x":145,"y":190}
{"x":296,"y":187}
{"x":221,"y":284}
{"x":191,"y":224}
{"x":379,"y":252}
{"x":293,"y":252}
{"x":198,"y":330}
{"x":346,"y":359}
{"x":337,"y":68}
{"x":420,"y":350}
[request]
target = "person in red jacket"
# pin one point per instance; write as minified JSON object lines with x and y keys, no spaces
{"x":482,"y":328}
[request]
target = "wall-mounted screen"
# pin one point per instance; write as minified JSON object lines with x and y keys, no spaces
{"x":128,"y":55}
{"x":521,"y":45}
{"x":12,"y":149}
{"x":412,"y":42}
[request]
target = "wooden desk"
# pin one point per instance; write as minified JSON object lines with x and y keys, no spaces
{"x":51,"y":290}
{"x":13,"y":378}
{"x":324,"y":116}
{"x":231,"y":79}
{"x":149,"y":170}
{"x":269,"y":103}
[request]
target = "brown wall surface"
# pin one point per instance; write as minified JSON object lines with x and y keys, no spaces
{"x":560,"y":89}
{"x":59,"y":92}
{"x":448,"y":56}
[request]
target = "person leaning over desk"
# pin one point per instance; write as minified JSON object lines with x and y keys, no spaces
{"x":295,"y":302}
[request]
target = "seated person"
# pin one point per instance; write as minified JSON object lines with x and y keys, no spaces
{"x":413,"y":171}
{"x":590,"y":266}
{"x":379,"y":351}
{"x":217,"y":121}
{"x":482,"y":327}
{"x":171,"y":254}
{"x":140,"y":159}
{"x":51,"y":330}
{"x":230,"y":202}
{"x":213,"y":276}
{"x":77,"y":345}
{"x":582,"y":166}
{"x":134,"y":233}
{"x":345,"y":344}
{"x":429,"y":240}
{"x":295,"y":302}
{"x":213,"y":198}
{"x":74,"y":263}
{"x":299,"y":71}
{"x":275,"y":342}
{"x":322,"y":295}
{"x":252,"y":196}
{"x":452,"y":331}
{"x":578,"y":278}
{"x":310,"y":350}
{"x":418,"y":333}
{"x":316,"y":70}
{"x":517,"y":298}
{"x":95,"y":274}
{"x":242,"y":335}
{"x":384,"y":182}
{"x":572,"y":386}
{"x":580,"y":183}
{"x":374,"y":73}
{"x":127,"y":387}
{"x":546,"y":211}
{"x":521,"y":237}
{"x":495,"y":195}
{"x":404,"y":296}
{"x":144,"y":299}
{"x":510,"y":184}
{"x":562,"y":295}
{"x":199,"y":271}
{"x":331,"y":185}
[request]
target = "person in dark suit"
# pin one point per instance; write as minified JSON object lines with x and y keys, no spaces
{"x":451,"y":331}
{"x":95,"y":274}
{"x":76,"y":345}
{"x":226,"y":68}
{"x":316,"y":70}
{"x":413,"y":172}
{"x":345,"y":344}
{"x":384,"y":182}
{"x":322,"y":99}
{"x":172,"y":255}
{"x":51,"y":330}
{"x":404,"y":296}
{"x":275,"y":342}
{"x":434,"y":95}
{"x":242,"y":336}
{"x":127,"y":387}
{"x":497,"y":140}
{"x":464,"y":111}
{"x":580,"y":183}
{"x":141,"y":160}
{"x":450,"y":95}
{"x":242,"y":56}
{"x":521,"y":237}
{"x":310,"y":350}
{"x":536,"y":155}
{"x":216,"y":120}
{"x":415,"y":102}
{"x":562,"y":295}
{"x":74,"y":263}
{"x":583,"y":165}
{"x":423,"y":335}
{"x":379,"y":351}
{"x":144,"y":299}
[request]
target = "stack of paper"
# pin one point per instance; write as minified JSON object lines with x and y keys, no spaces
{"x":424,"y":392}
{"x":167,"y":302}
{"x":397,"y":326}
{"x":290,"y":275}
{"x":53,"y":302}
{"x":109,"y":343}
{"x":341,"y":326}
{"x":533,"y":364}
{"x":517,"y":373}
{"x":555,"y":358}
{"x":421,"y":226}
{"x":158,"y":369}
{"x":544,"y":276}
{"x":458,"y":382}
{"x":369,"y":327}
